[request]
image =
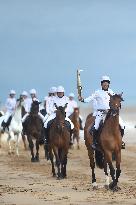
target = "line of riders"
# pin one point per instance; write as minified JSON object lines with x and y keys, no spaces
{"x":100,"y":100}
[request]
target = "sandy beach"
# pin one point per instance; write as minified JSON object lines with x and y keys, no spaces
{"x":26,"y":183}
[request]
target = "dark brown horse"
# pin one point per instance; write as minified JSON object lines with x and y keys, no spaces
{"x":109,"y":142}
{"x":75,"y":119}
{"x":34,"y":130}
{"x":59,"y":138}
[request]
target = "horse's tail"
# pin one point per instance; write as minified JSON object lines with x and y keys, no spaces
{"x":99,"y":158}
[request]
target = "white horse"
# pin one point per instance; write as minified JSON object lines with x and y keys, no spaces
{"x":15,"y":128}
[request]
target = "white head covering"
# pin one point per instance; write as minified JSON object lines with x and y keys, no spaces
{"x":60,"y":89}
{"x":71,"y":95}
{"x":105,"y":78}
{"x":32,"y":91}
{"x":53,"y":90}
{"x":12,"y":92}
{"x":24,"y":93}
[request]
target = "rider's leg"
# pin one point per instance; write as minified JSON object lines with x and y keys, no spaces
{"x":24,"y":117}
{"x":122,"y":129}
{"x":80,"y":122}
{"x":94,"y":129}
{"x":41,"y":116}
{"x":71,"y":129}
{"x":46,"y":134}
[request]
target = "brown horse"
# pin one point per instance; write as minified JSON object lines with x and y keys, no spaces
{"x":59,"y":138}
{"x":75,"y":119}
{"x":109,"y":142}
{"x":33,"y":127}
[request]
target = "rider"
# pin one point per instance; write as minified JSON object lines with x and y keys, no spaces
{"x":50,"y":102}
{"x":28,"y":105}
{"x":10,"y":106}
{"x":59,"y":100}
{"x":27,"y":101}
{"x":70,"y":108}
{"x":102,"y":100}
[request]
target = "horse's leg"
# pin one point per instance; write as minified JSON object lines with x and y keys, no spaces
{"x":56,"y":152}
{"x":106,"y":175}
{"x":92,"y":165}
{"x":77,"y":139}
{"x":52,"y":162}
{"x":31,"y":145}
{"x":37,"y":151}
{"x":17,"y":150}
{"x":108,"y":156}
{"x":11,"y":139}
{"x":118,"y":170}
{"x":64,"y":164}
{"x":24,"y":140}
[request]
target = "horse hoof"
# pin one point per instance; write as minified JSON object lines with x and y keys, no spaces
{"x":37,"y":159}
{"x":116,"y":188}
{"x":95,"y":188}
{"x":106,"y":187}
{"x":33,"y":159}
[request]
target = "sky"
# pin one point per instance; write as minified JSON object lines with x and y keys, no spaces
{"x":44,"y":42}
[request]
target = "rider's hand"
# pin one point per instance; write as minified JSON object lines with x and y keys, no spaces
{"x":80,"y":98}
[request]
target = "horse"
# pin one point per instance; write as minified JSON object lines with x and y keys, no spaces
{"x":59,"y":142}
{"x":109,"y":143}
{"x":15,"y":128}
{"x":33,"y":127}
{"x":75,"y":119}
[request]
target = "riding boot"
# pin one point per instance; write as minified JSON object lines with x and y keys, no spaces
{"x":71,"y":132}
{"x":93,"y":132}
{"x":122,"y":134}
{"x":80,"y":122}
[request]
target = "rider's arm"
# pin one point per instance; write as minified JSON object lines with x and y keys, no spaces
{"x":89,"y":99}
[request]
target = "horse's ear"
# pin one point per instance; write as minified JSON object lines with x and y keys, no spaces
{"x":56,"y":105}
{"x":121,"y":96}
{"x":65,"y":105}
{"x":109,"y":94}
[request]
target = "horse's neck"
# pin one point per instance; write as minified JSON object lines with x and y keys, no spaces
{"x":17,"y":114}
{"x":113,"y":123}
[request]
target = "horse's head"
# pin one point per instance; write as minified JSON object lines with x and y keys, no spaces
{"x":115,"y":103}
{"x":20,"y":101}
{"x":35,"y":107}
{"x":60,"y":112}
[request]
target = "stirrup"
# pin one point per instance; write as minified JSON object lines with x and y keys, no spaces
{"x":123,"y":145}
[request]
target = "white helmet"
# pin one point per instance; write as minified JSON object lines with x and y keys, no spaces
{"x":24,"y":93}
{"x":32,"y":91}
{"x":60,"y":89}
{"x":53,"y":90}
{"x":71,"y":95}
{"x":12,"y":92}
{"x":45,"y":98}
{"x":105,"y":78}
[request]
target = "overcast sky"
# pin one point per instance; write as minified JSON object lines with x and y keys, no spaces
{"x":43,"y":42}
